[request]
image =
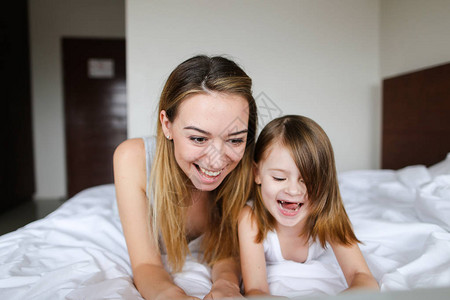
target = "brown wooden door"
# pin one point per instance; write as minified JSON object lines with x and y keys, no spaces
{"x":95,"y":109}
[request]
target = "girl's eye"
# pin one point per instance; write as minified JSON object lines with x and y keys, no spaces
{"x":302,"y":181}
{"x":198,"y":140}
{"x":236,"y":142}
{"x":278,"y":178}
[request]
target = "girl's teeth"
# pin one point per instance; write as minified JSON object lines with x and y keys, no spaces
{"x":210,"y":173}
{"x":290,"y":205}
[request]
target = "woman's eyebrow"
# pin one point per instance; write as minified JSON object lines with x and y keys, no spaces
{"x":207,"y":133}
{"x":238,"y":132}
{"x":197,"y":129}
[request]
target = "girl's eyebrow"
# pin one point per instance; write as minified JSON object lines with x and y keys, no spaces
{"x":282,"y":171}
{"x":207,"y":133}
{"x":276,"y":169}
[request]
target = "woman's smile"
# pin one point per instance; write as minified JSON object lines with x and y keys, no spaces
{"x":208,"y":175}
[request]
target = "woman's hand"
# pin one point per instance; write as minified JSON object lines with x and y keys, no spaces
{"x":175,"y":293}
{"x":225,"y":276}
{"x":222,"y":288}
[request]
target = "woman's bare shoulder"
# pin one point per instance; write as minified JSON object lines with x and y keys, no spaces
{"x":130,"y":148}
{"x":129,"y":163}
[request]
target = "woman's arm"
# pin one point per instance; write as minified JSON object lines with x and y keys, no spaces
{"x":225,"y":278}
{"x":150,"y":276}
{"x":253,"y":261}
{"x":354,"y":267}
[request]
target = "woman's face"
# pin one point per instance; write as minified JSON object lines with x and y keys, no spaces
{"x":209,"y":135}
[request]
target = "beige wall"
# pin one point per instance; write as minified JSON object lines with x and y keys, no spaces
{"x":316,"y":58}
{"x":49,"y":21}
{"x":414,"y":35}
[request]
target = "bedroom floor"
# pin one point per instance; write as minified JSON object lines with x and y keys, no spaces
{"x":25,"y":213}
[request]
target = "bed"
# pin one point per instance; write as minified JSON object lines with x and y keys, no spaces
{"x":401,"y":213}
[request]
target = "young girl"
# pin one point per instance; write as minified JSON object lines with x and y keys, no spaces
{"x":297,"y":208}
{"x":181,"y":193}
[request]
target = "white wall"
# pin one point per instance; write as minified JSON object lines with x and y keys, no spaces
{"x":316,"y":58}
{"x":49,"y":21}
{"x":321,"y":58}
{"x":414,"y":34}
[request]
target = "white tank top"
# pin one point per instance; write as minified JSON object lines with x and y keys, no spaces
{"x":272,"y":249}
{"x":150,"y":149}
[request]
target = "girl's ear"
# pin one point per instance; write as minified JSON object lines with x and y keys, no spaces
{"x":165,"y":124}
{"x":256,"y":173}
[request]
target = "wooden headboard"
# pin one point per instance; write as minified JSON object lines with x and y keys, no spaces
{"x":416,"y":118}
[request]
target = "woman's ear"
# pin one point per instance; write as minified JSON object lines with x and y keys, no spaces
{"x":165,"y":124}
{"x":256,"y":173}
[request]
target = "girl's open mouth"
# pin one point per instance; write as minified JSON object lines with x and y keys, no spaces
{"x":289,"y":208}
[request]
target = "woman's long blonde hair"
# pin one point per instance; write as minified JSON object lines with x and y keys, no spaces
{"x":170,"y":187}
{"x":313,"y":154}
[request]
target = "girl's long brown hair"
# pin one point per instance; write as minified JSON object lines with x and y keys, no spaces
{"x":313,"y":154}
{"x":169,"y":185}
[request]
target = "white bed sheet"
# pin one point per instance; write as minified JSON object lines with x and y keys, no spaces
{"x":79,"y":252}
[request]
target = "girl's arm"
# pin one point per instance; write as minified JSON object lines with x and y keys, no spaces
{"x":150,"y":276}
{"x":354,"y":267}
{"x":253,"y":261}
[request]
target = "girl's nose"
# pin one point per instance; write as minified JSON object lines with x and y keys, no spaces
{"x":296,"y":188}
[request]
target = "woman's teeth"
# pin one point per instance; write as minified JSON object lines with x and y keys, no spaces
{"x":210,"y":173}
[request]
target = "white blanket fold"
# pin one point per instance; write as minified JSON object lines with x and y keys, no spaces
{"x":79,"y":252}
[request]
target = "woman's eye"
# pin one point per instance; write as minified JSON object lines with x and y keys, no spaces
{"x":278,"y":178}
{"x":236,"y":141}
{"x":198,"y":140}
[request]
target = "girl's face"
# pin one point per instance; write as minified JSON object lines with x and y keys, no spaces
{"x":283,"y":191}
{"x":209,"y":135}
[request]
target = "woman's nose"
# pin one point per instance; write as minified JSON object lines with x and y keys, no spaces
{"x":215,"y":155}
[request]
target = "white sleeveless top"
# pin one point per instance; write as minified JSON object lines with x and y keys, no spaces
{"x":150,"y":148}
{"x":273,"y":254}
{"x":319,"y":275}
{"x":272,"y":248}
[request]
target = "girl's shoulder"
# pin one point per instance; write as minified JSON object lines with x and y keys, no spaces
{"x":247,"y":215}
{"x":247,"y":225}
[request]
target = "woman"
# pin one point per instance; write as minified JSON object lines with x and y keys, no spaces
{"x":198,"y":181}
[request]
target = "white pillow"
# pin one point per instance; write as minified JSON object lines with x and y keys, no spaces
{"x":441,"y":168}
{"x":433,"y":202}
{"x":414,"y":176}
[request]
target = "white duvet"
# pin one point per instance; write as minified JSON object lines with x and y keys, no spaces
{"x":79,"y":252}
